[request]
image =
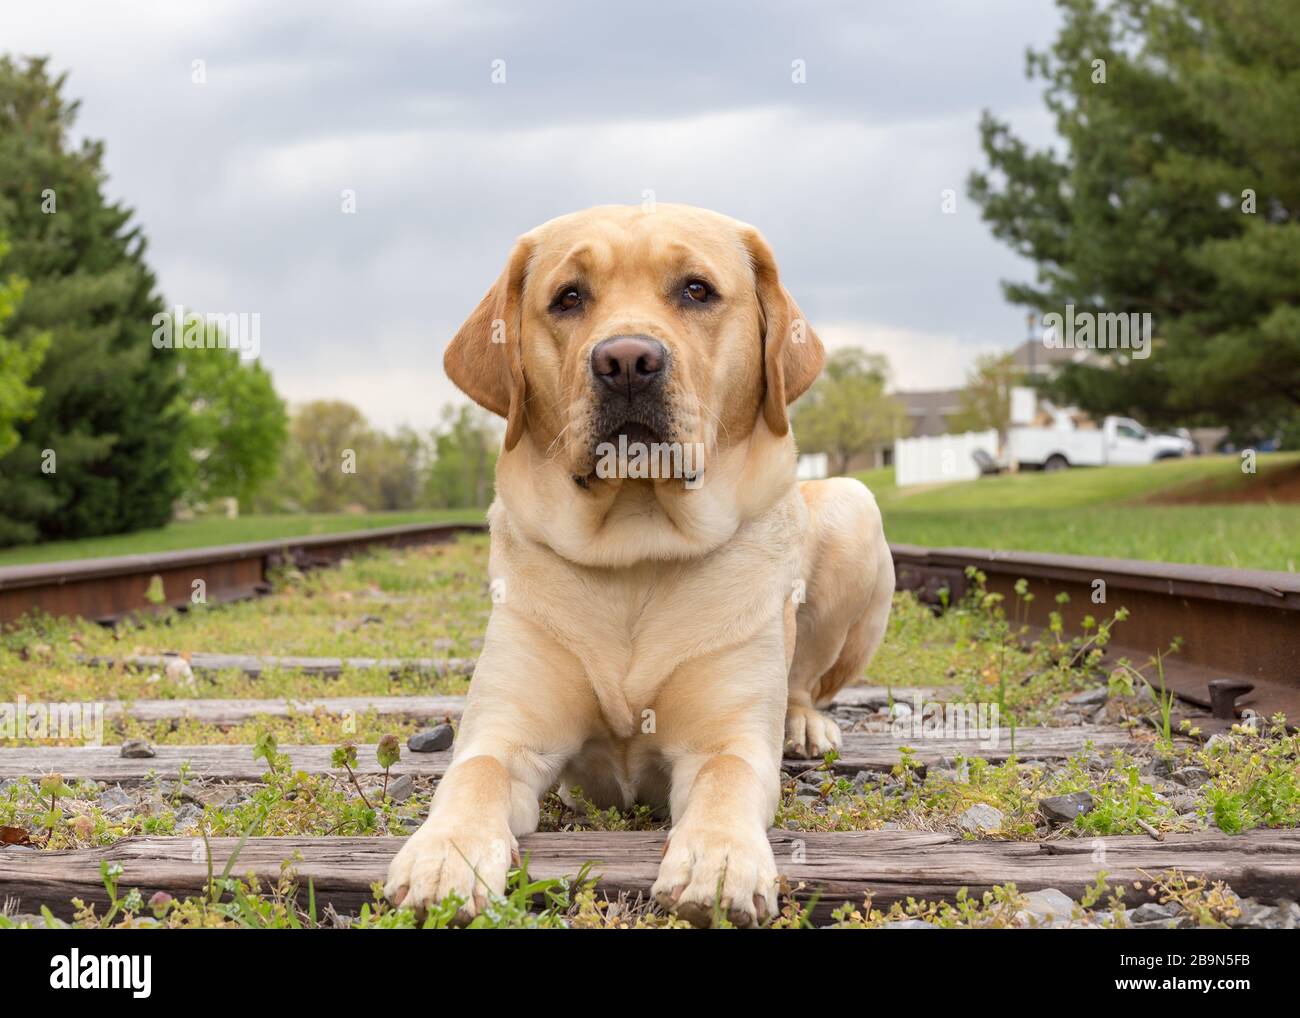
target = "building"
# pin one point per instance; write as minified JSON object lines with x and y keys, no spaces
{"x":929,"y":410}
{"x":1039,"y":361}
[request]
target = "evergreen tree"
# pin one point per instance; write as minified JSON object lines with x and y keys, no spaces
{"x":18,"y":363}
{"x":1176,"y":193}
{"x":101,"y":453}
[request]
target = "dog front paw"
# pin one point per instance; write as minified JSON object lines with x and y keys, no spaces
{"x":439,"y":861}
{"x":706,"y":874}
{"x":809,"y":732}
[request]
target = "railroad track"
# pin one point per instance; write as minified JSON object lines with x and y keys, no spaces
{"x":1239,"y":629}
{"x":888,"y":866}
{"x":107,"y":589}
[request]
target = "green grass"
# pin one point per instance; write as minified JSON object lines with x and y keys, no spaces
{"x":430,"y":601}
{"x":211,"y":531}
{"x":1085,"y":486}
{"x":1107,"y":511}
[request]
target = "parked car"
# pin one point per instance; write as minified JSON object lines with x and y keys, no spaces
{"x":1120,"y":441}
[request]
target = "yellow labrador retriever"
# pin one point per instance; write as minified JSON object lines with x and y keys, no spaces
{"x":668,"y":601}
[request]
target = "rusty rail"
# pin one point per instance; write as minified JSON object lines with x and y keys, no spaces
{"x":107,"y":589}
{"x":1239,"y":628}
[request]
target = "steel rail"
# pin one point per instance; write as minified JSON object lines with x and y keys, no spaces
{"x":1238,"y":628}
{"x":107,"y":589}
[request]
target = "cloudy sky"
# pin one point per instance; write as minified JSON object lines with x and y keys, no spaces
{"x":238,"y":181}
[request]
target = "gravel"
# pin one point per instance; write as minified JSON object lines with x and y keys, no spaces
{"x":1183,"y":802}
{"x":113,"y":798}
{"x":1062,"y":809}
{"x":1151,"y":912}
{"x":1090,"y":697}
{"x":432,"y":740}
{"x":401,"y":788}
{"x":981,"y":819}
{"x":1044,"y":906}
{"x":1191,"y":777}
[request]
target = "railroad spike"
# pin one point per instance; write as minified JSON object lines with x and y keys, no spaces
{"x":1223,"y":696}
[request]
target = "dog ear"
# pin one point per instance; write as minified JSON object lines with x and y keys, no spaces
{"x":792,"y":353}
{"x":485,"y":358}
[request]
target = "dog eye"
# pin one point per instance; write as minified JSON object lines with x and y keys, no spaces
{"x":567,"y":299}
{"x":698,"y":290}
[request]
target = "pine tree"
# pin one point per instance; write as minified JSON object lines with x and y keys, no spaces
{"x":100,"y":454}
{"x":18,"y":362}
{"x":1176,"y":192}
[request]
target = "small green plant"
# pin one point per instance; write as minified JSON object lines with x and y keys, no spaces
{"x":525,"y":904}
{"x":1210,"y":905}
{"x":388,"y":752}
{"x":1254,"y":778}
{"x":994,"y":909}
{"x":345,"y":756}
{"x":53,"y":786}
{"x":1120,"y":800}
{"x":265,"y":749}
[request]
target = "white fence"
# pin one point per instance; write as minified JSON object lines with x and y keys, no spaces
{"x":941,"y":458}
{"x":813,"y":466}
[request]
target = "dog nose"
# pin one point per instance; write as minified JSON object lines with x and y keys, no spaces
{"x":628,"y":364}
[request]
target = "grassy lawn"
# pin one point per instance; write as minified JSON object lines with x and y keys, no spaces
{"x":1110,"y":511}
{"x":1202,"y":510}
{"x":211,"y":531}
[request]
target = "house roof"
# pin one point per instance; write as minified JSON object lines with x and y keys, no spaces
{"x":1046,"y":358}
{"x":928,"y":409}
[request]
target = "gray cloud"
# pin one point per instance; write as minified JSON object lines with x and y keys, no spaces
{"x":238,"y":181}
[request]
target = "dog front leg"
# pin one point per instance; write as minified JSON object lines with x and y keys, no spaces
{"x":525,"y":717}
{"x":468,"y":843}
{"x":723,"y":742}
{"x":718,"y":861}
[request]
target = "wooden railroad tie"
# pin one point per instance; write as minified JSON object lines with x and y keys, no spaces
{"x":889,"y":866}
{"x":417,"y":708}
{"x":861,"y":751}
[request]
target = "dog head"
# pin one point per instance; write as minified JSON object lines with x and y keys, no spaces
{"x":618,"y":325}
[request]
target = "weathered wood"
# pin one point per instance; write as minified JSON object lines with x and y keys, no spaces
{"x":861,"y":751}
{"x":214,"y":763}
{"x":881,"y":696}
{"x":419,"y":708}
{"x":223,"y":713}
{"x":326,"y":667}
{"x":889,"y":866}
{"x":333,"y":667}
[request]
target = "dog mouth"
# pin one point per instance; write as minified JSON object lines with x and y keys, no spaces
{"x":645,"y":422}
{"x":633,"y":432}
{"x":636,"y":446}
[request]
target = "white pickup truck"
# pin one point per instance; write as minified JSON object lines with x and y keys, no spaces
{"x":1120,"y":441}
